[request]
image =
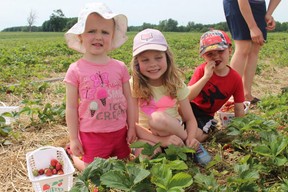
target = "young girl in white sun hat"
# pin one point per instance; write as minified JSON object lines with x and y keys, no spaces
{"x":99,"y":114}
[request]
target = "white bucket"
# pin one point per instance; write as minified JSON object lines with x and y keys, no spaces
{"x":9,"y":109}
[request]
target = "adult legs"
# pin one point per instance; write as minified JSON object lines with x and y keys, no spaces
{"x":244,"y":61}
{"x":250,"y":70}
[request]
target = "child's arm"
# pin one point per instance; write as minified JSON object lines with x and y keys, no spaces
{"x":239,"y":109}
{"x":191,"y":123}
{"x":131,"y":113}
{"x":72,"y":119}
{"x":196,"y":88}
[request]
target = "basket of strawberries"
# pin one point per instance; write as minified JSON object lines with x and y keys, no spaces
{"x":50,"y":169}
{"x":226,"y":113}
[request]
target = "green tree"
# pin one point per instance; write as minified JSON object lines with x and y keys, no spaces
{"x":168,"y":25}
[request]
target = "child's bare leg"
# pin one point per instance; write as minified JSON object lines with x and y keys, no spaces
{"x":165,"y":125}
{"x":201,"y":136}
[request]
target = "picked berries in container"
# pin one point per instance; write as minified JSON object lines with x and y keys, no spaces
{"x":50,"y":169}
{"x":226,"y":113}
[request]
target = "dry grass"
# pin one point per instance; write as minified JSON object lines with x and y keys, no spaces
{"x":13,"y":172}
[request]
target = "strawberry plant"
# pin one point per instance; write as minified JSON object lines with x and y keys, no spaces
{"x":276,"y":107}
{"x":141,"y":174}
{"x":45,"y":114}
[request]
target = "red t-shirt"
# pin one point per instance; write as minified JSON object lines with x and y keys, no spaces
{"x":217,"y":90}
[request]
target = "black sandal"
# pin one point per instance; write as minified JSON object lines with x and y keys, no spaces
{"x":254,"y":101}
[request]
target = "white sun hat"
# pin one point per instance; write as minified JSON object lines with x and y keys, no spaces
{"x":121,"y":24}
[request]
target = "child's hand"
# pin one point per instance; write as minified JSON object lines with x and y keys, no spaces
{"x":192,"y":143}
{"x":172,"y":139}
{"x":76,"y":148}
{"x":131,"y":136}
{"x":209,"y":69}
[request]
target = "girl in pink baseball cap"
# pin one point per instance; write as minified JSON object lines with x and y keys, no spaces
{"x":157,"y":85}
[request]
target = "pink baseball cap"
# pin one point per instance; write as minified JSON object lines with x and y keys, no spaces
{"x":214,"y":40}
{"x":149,"y":39}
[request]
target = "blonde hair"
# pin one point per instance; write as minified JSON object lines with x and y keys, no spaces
{"x":171,"y":79}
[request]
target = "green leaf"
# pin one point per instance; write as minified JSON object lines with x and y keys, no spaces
{"x":263,"y":150}
{"x":116,"y":179}
{"x":250,"y":175}
{"x":177,"y":165}
{"x":251,"y":187}
{"x":245,"y":159}
{"x":137,"y":144}
{"x":283,"y":144}
{"x":206,"y":181}
{"x":79,"y":186}
{"x":161,"y":174}
{"x":149,"y":149}
{"x":138,"y":174}
{"x":233,"y":131}
{"x":280,"y":161}
{"x":180,"y":180}
{"x":2,"y":119}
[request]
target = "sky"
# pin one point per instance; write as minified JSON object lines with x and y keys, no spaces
{"x":15,"y":12}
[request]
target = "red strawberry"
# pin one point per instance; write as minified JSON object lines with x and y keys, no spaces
{"x":41,"y":171}
{"x":48,"y":172}
{"x":60,"y":172}
{"x":54,"y":171}
{"x":53,"y":162}
{"x":58,"y":166}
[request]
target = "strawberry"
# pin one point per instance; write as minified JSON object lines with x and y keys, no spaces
{"x":53,"y":162}
{"x":60,"y":172}
{"x":35,"y":172}
{"x":48,"y":172}
{"x":41,"y":171}
{"x":54,"y":171}
{"x":58,"y":166}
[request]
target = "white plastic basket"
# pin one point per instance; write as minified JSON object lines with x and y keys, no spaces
{"x":40,"y":159}
{"x":226,"y":117}
{"x":9,"y":109}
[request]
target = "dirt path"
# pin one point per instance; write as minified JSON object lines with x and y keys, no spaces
{"x":271,"y":80}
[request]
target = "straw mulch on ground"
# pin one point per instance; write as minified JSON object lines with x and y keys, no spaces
{"x":13,"y":172}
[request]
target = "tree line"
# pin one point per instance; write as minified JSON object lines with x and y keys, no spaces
{"x":59,"y":23}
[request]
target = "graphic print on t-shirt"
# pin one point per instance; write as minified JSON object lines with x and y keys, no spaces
{"x":108,"y":101}
{"x":210,"y":94}
{"x":162,"y":104}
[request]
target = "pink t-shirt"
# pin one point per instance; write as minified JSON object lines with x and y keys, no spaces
{"x":102,"y":104}
{"x":217,"y":90}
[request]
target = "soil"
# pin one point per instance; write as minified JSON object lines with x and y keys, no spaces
{"x":13,"y":173}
